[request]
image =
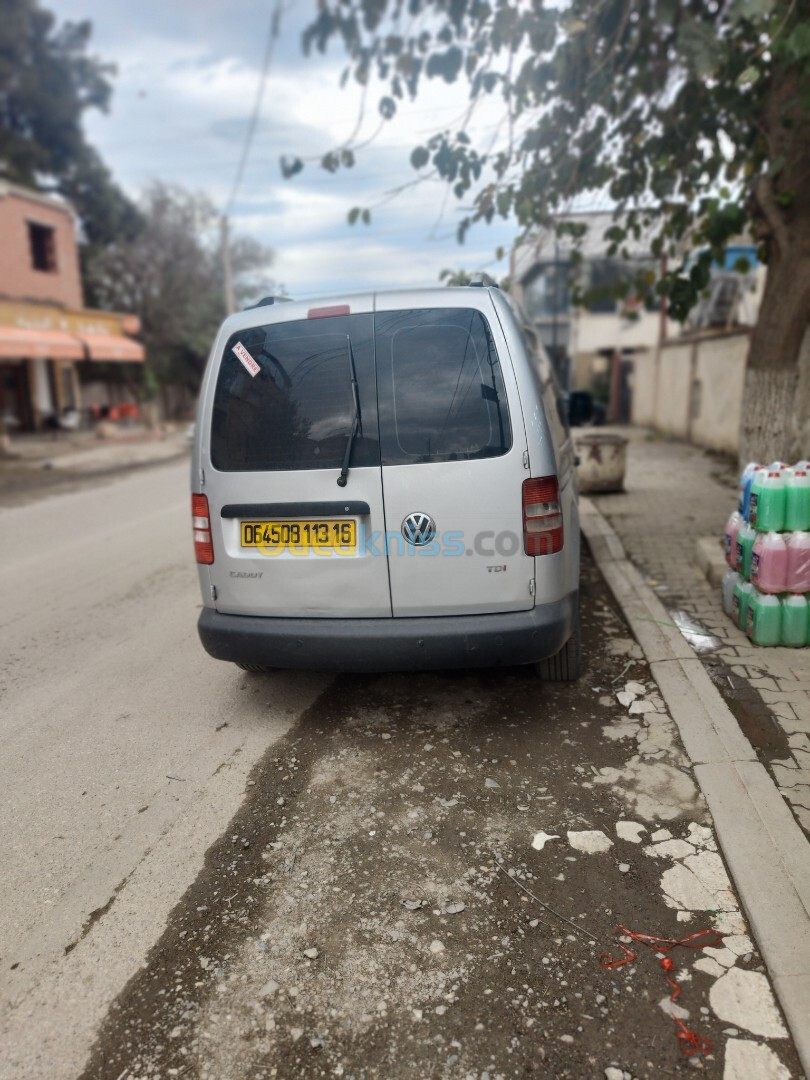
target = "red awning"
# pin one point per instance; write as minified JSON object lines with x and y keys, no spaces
{"x":17,"y":343}
{"x":113,"y":347}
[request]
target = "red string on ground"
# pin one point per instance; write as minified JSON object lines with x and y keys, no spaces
{"x":690,"y":1041}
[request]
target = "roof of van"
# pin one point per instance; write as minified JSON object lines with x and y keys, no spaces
{"x":284,"y":309}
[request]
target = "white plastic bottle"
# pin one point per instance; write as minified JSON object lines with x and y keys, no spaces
{"x":730,"y":579}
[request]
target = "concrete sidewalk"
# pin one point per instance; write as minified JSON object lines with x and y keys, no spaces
{"x":743,"y":712}
{"x":37,"y":465}
{"x":675,"y":496}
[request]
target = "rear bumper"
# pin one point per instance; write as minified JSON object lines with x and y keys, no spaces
{"x":447,"y":641}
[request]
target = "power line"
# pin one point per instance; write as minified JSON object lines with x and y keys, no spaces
{"x":272,"y":35}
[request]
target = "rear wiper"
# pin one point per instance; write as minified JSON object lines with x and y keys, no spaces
{"x":356,"y":423}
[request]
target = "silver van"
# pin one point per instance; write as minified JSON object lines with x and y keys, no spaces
{"x":385,"y":482}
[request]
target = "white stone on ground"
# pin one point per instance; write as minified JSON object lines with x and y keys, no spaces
{"x":701,"y":835}
{"x":668,"y":1006}
{"x":653,"y":790}
{"x":683,"y":890}
{"x":744,"y":998}
{"x":708,"y":867}
{"x":630,"y":830}
{"x":723,"y":956}
{"x":670,"y":849}
{"x":746,"y":1060}
{"x":740,"y":944}
{"x":709,"y":966}
{"x":540,"y":840}
{"x":732,"y":923}
{"x":591,"y":841}
{"x":638,"y":708}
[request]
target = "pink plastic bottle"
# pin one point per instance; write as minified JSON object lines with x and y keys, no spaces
{"x":732,"y":528}
{"x":769,"y":563}
{"x":798,"y":562}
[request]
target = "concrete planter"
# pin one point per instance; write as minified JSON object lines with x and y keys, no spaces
{"x":602,"y":462}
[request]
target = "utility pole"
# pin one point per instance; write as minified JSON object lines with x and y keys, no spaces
{"x":226,"y":265}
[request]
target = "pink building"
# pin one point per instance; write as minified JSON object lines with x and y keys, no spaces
{"x":44,"y":328}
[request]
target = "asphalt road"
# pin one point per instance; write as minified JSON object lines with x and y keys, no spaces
{"x":210,"y":874}
{"x":124,"y":750}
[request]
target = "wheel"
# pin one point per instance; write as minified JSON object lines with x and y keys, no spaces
{"x":566,"y":665}
{"x":254,"y":669}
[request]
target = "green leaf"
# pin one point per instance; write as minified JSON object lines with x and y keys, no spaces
{"x":366,"y":217}
{"x":750,"y":9}
{"x":445,"y":65}
{"x":291,"y":166}
{"x":572,"y":24}
{"x":699,"y":47}
{"x":748,"y":77}
{"x":387,"y":108}
{"x":353,"y":215}
{"x":797,"y":46}
{"x":419,"y":157}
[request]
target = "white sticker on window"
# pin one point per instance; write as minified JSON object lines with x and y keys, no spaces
{"x":246,"y":358}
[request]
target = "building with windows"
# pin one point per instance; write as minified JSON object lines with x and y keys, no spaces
{"x":45,"y":331}
{"x":584,"y":340}
{"x":609,"y":339}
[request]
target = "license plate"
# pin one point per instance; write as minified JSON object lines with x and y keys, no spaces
{"x":299,"y":536}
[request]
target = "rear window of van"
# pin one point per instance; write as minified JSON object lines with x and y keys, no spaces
{"x":283,"y":398}
{"x":440,"y":385}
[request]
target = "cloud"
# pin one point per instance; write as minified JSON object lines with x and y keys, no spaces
{"x":188,"y":72}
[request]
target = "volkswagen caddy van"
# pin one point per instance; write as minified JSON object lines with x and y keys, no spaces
{"x":385,"y":482}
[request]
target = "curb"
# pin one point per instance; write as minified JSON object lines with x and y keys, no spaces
{"x":711,"y":560}
{"x":132,"y":455}
{"x":766,"y":852}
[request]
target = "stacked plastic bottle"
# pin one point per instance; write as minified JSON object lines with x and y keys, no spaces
{"x":766,"y":589}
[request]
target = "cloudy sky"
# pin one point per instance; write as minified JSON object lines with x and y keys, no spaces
{"x":188,"y":72}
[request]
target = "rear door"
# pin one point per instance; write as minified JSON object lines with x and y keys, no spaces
{"x":288,"y":540}
{"x":453,"y":446}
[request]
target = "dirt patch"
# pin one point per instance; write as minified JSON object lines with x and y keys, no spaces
{"x":378,"y":908}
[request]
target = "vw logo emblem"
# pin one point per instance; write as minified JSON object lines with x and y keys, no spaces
{"x":418,"y":529}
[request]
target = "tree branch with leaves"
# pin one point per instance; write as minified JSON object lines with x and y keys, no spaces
{"x":690,"y":117}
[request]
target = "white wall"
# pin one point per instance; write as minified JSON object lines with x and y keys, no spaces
{"x":720,"y":377}
{"x":594,"y":332}
{"x":693,"y":388}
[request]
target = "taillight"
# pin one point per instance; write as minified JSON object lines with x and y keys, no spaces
{"x":203,"y":547}
{"x":542,"y":516}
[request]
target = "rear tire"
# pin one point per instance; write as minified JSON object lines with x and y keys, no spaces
{"x":254,"y":669}
{"x":566,"y":665}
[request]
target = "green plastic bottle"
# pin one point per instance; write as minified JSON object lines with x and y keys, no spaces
{"x":739,"y":604}
{"x":797,"y":501}
{"x":795,"y":621}
{"x":763,"y":622}
{"x":746,"y":538}
{"x":767,"y":509}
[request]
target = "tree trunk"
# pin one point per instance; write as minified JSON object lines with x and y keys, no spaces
{"x":774,"y":423}
{"x":774,"y":418}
